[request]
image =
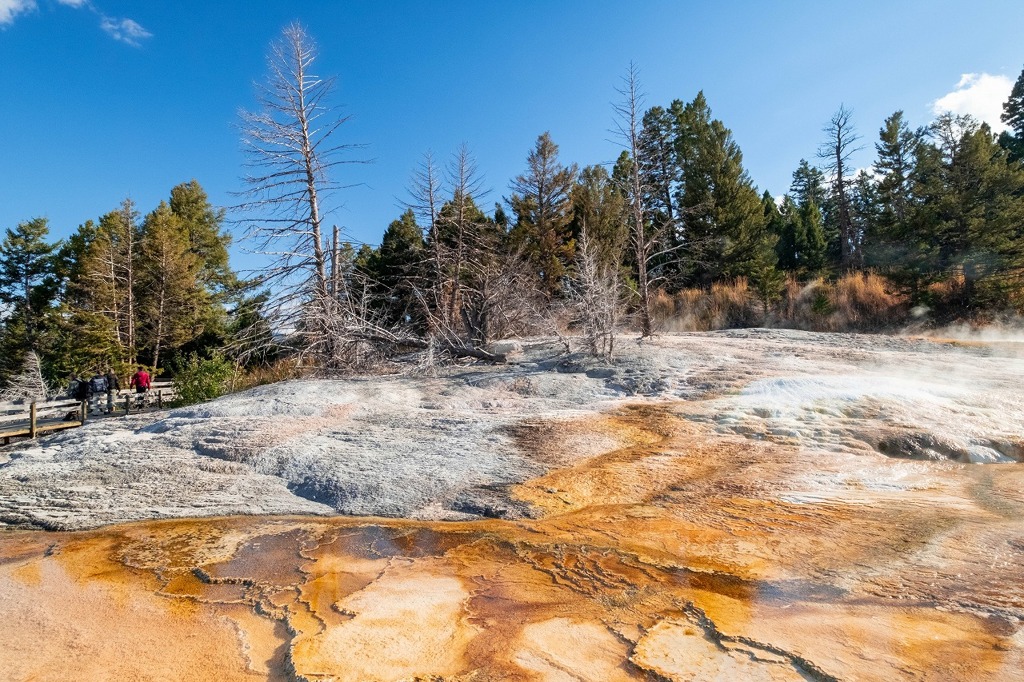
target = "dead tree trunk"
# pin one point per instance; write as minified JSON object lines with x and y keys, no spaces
{"x":836,"y":152}
{"x":291,"y":151}
{"x":628,"y":113}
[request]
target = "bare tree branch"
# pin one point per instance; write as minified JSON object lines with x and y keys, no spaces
{"x":289,"y":145}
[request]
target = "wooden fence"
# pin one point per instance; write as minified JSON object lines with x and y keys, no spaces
{"x":23,"y":419}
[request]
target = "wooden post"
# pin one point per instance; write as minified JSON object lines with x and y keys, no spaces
{"x":32,"y":420}
{"x":128,"y":403}
{"x":83,"y":411}
{"x":160,"y":399}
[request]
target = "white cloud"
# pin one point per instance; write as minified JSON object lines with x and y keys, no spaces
{"x":12,"y":8}
{"x":979,"y":94}
{"x":125,"y":30}
{"x":870,"y":170}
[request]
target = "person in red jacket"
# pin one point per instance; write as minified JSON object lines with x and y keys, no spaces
{"x":140,"y":382}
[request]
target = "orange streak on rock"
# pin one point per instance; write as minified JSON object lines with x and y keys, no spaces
{"x":679,"y":554}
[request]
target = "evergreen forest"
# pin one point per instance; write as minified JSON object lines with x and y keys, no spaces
{"x":931,"y":233}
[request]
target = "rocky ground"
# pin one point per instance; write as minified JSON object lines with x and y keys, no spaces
{"x":448,"y":447}
{"x":755,"y":504}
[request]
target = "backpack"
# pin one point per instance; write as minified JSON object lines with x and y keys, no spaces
{"x":82,"y":390}
{"x":98,"y":384}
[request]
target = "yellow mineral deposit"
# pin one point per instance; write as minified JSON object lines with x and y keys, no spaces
{"x":670,"y":553}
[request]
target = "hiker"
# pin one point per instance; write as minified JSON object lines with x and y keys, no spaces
{"x":97,"y":387}
{"x":113,"y":386}
{"x":140,"y":382}
{"x":81,"y":388}
{"x":73,"y":382}
{"x":72,"y":393}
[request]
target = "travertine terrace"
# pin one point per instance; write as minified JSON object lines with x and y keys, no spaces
{"x":742,"y":505}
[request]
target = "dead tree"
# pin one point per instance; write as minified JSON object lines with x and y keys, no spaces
{"x":643,"y":239}
{"x":503,"y":297}
{"x":461,"y":226}
{"x":836,"y":152}
{"x":425,"y":189}
{"x":28,"y":384}
{"x":594,"y":295}
{"x":476,"y":291}
{"x":291,"y":150}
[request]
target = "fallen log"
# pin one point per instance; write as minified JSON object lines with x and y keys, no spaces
{"x":459,"y":350}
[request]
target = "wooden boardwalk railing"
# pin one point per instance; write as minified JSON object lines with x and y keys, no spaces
{"x":23,"y":419}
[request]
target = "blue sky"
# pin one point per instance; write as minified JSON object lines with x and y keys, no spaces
{"x":105,"y":99}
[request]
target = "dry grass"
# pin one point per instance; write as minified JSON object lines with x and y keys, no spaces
{"x":724,"y":306}
{"x":867,"y":302}
{"x":854,"y":302}
{"x":282,"y":370}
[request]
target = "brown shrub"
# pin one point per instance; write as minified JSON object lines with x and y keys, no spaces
{"x":804,"y":305}
{"x":867,"y":302}
{"x":733,"y":305}
{"x":662,"y":309}
{"x":724,"y":306}
{"x":282,"y":370}
{"x":855,"y":302}
{"x":950,"y":293}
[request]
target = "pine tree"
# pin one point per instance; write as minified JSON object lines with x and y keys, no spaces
{"x":865,"y":211}
{"x":692,"y":134}
{"x":69,"y":258}
{"x":775,"y":225}
{"x":395,"y":268}
{"x":540,"y":201}
{"x":82,"y":339}
{"x":107,"y":315}
{"x":724,"y":222}
{"x":897,"y":150}
{"x":971,"y":208}
{"x":995,"y":207}
{"x":203,"y":224}
{"x":801,"y":247}
{"x":171,"y":299}
{"x":808,"y":186}
{"x":765,"y":273}
{"x":28,"y":284}
{"x":598,"y":206}
{"x":814,"y":245}
{"x":662,"y":173}
{"x":791,"y":235}
{"x":1013,"y":116}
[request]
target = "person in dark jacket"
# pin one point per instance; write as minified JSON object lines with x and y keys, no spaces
{"x":113,"y":386}
{"x":82,"y":390}
{"x":73,"y":382}
{"x":73,"y":387}
{"x":97,"y":387}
